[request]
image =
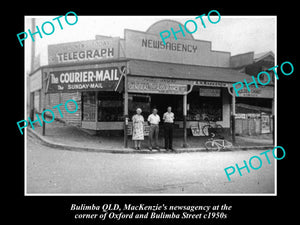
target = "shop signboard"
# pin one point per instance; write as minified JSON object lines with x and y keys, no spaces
{"x":253,"y":115}
{"x":210,"y":92}
{"x":92,"y":79}
{"x":260,"y":92}
{"x":211,"y":83}
{"x":90,"y":50}
{"x":148,"y":46}
{"x":156,"y":85}
{"x":240,"y":116}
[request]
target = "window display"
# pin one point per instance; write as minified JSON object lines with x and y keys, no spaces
{"x":110,"y":106}
{"x":202,"y":108}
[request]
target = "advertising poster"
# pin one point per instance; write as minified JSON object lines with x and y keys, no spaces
{"x":109,"y":123}
{"x":105,"y":79}
{"x":265,"y":124}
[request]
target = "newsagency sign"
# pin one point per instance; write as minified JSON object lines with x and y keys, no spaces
{"x":100,"y":79}
{"x":147,"y":46}
{"x":90,"y":50}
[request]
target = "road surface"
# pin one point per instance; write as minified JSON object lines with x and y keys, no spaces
{"x":55,"y":171}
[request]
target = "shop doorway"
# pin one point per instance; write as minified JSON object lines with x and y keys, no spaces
{"x":161,"y":102}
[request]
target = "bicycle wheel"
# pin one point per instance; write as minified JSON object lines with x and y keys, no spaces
{"x":227,"y":144}
{"x":205,"y":130}
{"x":211,"y":146}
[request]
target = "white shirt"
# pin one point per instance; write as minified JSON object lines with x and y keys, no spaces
{"x":154,"y":119}
{"x":168,"y":117}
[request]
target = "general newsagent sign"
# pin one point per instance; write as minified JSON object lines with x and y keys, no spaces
{"x":101,"y":79}
{"x":156,"y":85}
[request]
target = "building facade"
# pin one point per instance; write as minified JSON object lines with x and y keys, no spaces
{"x":110,"y":77}
{"x":255,"y":109}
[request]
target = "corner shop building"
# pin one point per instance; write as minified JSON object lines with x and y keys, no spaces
{"x":110,"y":77}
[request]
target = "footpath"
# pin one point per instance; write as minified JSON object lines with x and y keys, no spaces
{"x":61,"y":136}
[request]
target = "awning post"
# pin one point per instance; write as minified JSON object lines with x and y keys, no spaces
{"x":233,"y":119}
{"x":185,"y":145}
{"x":273,"y":120}
{"x":125,"y":111}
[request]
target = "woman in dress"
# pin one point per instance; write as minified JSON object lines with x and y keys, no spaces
{"x":138,"y":129}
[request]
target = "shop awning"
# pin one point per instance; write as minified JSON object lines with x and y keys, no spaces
{"x":183,"y":71}
{"x":246,"y":108}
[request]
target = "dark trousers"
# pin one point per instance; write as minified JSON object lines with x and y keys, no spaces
{"x":168,"y":132}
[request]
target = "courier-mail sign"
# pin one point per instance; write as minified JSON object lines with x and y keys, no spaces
{"x":104,"y":79}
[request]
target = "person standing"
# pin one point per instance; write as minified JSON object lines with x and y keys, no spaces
{"x":168,"y":128}
{"x":138,"y":129}
{"x":154,"y":120}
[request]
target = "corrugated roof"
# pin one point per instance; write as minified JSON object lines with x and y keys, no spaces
{"x":260,"y":56}
{"x":183,"y":71}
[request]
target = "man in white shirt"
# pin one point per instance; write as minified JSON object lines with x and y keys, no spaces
{"x":154,"y":120}
{"x":168,"y":128}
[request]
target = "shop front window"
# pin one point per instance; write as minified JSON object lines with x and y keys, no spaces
{"x":88,"y":106}
{"x":203,"y":107}
{"x":110,"y":106}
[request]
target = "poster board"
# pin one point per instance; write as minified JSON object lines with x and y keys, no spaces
{"x":265,"y":124}
{"x":197,"y":130}
{"x":146,"y":129}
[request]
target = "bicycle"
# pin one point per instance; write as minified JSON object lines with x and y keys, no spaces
{"x":211,"y":124}
{"x":217,"y":144}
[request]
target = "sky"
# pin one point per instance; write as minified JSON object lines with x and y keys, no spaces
{"x":234,"y":34}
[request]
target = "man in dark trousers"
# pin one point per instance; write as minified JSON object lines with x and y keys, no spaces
{"x":168,"y":128}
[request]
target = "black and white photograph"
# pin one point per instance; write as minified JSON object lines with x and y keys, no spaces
{"x":150,"y":105}
{"x":184,"y":116}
